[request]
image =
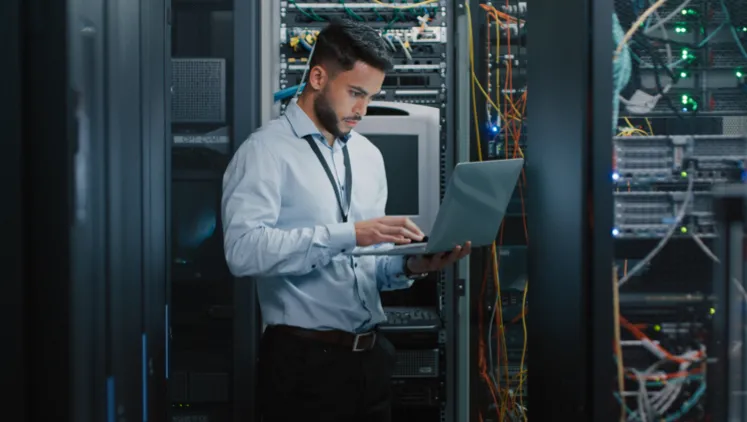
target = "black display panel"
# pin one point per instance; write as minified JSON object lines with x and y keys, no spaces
{"x":401,"y":162}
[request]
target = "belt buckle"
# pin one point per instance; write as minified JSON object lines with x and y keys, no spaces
{"x":356,"y":341}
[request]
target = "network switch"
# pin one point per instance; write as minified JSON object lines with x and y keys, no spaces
{"x":652,"y":214}
{"x":666,"y":159}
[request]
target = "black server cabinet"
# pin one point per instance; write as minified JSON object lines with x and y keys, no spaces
{"x":11,"y":215}
{"x":44,"y":236}
{"x":570,"y":211}
{"x":86,"y":221}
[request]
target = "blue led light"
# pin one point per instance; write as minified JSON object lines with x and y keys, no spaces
{"x":615,"y":176}
{"x":494,"y":129}
{"x":615,"y":232}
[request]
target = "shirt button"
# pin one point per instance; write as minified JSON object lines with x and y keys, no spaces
{"x":313,"y":266}
{"x":356,"y":265}
{"x":343,"y":251}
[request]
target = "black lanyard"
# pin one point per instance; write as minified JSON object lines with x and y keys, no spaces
{"x":348,"y":175}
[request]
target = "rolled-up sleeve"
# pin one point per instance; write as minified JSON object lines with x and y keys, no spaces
{"x":250,"y":210}
{"x":390,"y":273}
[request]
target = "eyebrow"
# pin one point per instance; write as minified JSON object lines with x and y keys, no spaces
{"x":359,"y":89}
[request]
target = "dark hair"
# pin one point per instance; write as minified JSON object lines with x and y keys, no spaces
{"x":344,"y":42}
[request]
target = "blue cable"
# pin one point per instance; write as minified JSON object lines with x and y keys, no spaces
{"x":622,"y":69}
{"x":286,"y":93}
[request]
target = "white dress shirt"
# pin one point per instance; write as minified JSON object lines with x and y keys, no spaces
{"x":282,"y":225}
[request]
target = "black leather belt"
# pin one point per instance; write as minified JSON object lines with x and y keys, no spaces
{"x":355,"y":342}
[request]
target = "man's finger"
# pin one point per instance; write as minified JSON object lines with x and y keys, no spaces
{"x":399,"y":240}
{"x":411,"y":226}
{"x":466,"y":250}
{"x":454,"y":255}
{"x":400,"y":231}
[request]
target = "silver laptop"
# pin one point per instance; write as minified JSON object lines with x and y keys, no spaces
{"x":472,"y":210}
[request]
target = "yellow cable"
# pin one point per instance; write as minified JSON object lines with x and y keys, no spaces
{"x":524,"y":350}
{"x":650,"y":128}
{"x":637,"y":24}
{"x":618,"y":345}
{"x":496,"y":277}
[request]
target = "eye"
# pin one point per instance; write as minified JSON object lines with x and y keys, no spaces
{"x":356,"y":94}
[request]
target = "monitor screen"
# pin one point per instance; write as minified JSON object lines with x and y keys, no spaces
{"x":401,"y":162}
{"x":197,"y":238}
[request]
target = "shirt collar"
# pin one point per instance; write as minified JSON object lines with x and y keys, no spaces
{"x":302,"y":124}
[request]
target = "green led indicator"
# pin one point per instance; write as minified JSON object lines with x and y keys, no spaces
{"x":683,"y":230}
{"x":657,"y":327}
{"x":739,"y":73}
{"x":744,"y":29}
{"x":689,"y":102}
{"x":683,"y":74}
{"x":680,"y":30}
{"x":683,"y":174}
{"x":713,"y":311}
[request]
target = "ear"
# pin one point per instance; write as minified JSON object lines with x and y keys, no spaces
{"x":318,"y":78}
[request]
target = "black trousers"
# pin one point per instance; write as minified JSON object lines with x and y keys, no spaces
{"x":306,"y":380}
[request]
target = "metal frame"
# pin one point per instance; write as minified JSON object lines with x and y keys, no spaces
{"x":11,"y":215}
{"x":87,"y":31}
{"x":449,"y":288}
{"x":570,"y":210}
{"x":727,"y":370}
{"x":247,"y":117}
{"x":124,"y":178}
{"x":461,"y":322}
{"x":156,"y":149}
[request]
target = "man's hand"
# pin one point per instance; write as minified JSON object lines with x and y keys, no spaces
{"x":426,"y":264}
{"x":399,"y":230}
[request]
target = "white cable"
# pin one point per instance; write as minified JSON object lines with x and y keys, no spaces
{"x":493,"y":369}
{"x":389,"y":42}
{"x":739,"y":287}
{"x":407,"y":53}
{"x":664,"y":33}
{"x":705,"y":249}
{"x":668,"y":18}
{"x":677,"y":221}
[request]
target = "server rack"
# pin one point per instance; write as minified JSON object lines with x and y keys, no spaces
{"x":222,"y":60}
{"x":278,"y":21}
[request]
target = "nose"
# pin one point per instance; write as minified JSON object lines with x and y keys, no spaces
{"x":361,"y":107}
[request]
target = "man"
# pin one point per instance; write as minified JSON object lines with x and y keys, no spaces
{"x":300,"y":193}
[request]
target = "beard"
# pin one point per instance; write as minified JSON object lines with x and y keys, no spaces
{"x":327,"y":115}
